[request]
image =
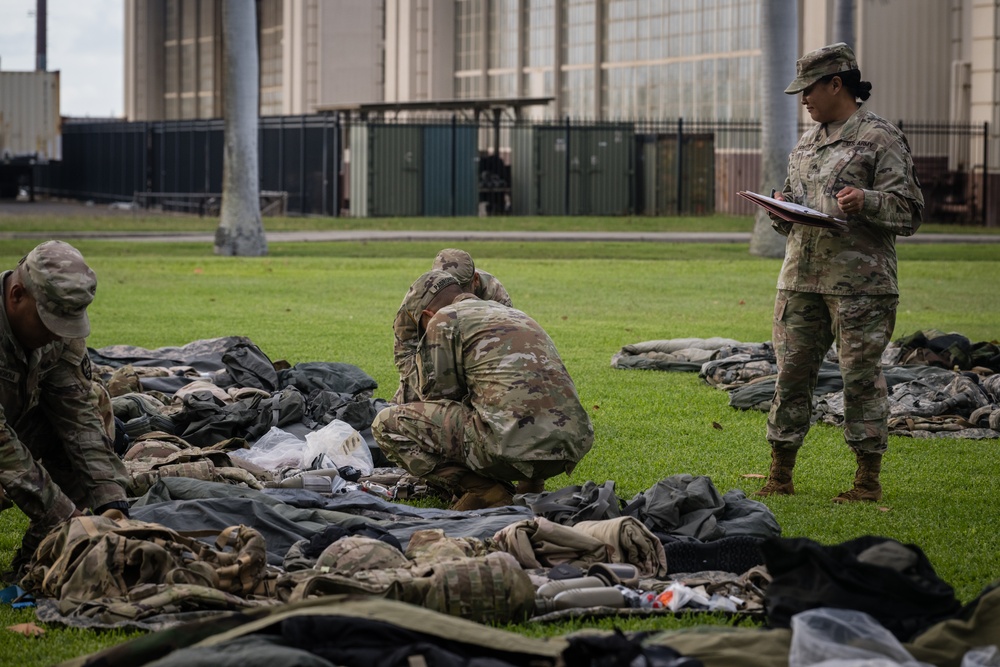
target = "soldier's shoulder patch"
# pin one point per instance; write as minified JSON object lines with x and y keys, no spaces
{"x":87,"y":368}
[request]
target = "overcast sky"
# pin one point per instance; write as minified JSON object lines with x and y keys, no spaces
{"x":85,"y":43}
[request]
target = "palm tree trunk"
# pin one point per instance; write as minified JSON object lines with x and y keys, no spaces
{"x":843,"y":26}
{"x":779,"y":126}
{"x":240,"y":230}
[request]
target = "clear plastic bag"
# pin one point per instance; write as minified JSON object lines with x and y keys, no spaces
{"x":844,"y":638}
{"x":337,"y":445}
{"x":982,"y":656}
{"x":275,"y":450}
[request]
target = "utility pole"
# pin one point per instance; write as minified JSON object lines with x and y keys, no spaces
{"x":40,"y":35}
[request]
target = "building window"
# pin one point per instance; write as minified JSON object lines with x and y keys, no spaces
{"x":682,"y":58}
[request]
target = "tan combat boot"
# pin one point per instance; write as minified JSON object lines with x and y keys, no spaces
{"x":866,"y":484}
{"x":481,"y":493}
{"x":530,"y":486}
{"x":779,"y":480}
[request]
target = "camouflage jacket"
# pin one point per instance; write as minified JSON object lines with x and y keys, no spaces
{"x":502,"y":363}
{"x":53,"y":383}
{"x":870,"y":154}
{"x":406,"y":337}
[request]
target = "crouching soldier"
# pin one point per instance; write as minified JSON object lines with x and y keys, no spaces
{"x":56,"y":422}
{"x":472,"y":280}
{"x":496,"y":404}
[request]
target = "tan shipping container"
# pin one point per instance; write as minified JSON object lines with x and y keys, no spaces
{"x":30,"y":123}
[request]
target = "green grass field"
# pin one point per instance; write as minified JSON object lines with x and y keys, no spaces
{"x":336,"y":301}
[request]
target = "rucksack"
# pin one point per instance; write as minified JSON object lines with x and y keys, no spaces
{"x":892,"y":582}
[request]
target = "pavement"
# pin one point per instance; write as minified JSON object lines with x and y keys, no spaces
{"x":364,"y":235}
{"x":355,"y":235}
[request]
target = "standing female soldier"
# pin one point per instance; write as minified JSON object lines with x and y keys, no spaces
{"x":839,"y":287}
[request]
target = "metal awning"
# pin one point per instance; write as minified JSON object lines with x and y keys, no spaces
{"x":476,"y":106}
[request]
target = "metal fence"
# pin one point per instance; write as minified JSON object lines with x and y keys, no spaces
{"x":453,"y":166}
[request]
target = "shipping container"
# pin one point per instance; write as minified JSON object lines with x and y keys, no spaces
{"x":386,"y":170}
{"x":573,"y":170}
{"x":30,"y":125}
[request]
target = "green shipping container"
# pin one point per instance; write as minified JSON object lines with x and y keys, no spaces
{"x":560,"y":170}
{"x":451,"y":163}
{"x":386,"y":170}
{"x":680,"y":183}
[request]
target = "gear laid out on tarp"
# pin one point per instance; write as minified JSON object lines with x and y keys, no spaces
{"x":940,"y":384}
{"x":370,"y":630}
{"x":262,"y":513}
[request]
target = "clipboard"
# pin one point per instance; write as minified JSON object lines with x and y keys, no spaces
{"x":797,"y":213}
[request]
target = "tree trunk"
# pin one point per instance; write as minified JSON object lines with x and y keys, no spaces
{"x":240,"y":230}
{"x":779,"y":123}
{"x":843,"y":26}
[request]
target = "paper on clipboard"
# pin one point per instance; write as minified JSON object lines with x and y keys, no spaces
{"x":793,"y":212}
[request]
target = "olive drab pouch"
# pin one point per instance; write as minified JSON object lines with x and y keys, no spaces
{"x":487,"y":589}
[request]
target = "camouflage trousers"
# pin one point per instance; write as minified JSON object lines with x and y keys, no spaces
{"x":431,"y":438}
{"x":35,"y":432}
{"x":805,"y":325}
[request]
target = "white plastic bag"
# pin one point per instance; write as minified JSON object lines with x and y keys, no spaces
{"x":337,"y":445}
{"x":982,"y":656}
{"x":828,"y":637}
{"x":273,"y":451}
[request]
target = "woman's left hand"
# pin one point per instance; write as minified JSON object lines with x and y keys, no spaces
{"x":851,"y":200}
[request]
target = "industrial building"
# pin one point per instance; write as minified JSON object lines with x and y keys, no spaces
{"x":532,"y":107}
{"x":929,"y":60}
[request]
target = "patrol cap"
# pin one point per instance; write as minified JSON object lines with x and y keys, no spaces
{"x":62,"y":284}
{"x":423,"y":291}
{"x":456,"y":262}
{"x":813,"y":66}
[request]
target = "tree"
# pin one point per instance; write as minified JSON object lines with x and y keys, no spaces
{"x":779,"y":126}
{"x":843,"y":26}
{"x":240,"y":230}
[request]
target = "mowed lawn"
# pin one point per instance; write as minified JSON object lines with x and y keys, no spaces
{"x":336,"y":301}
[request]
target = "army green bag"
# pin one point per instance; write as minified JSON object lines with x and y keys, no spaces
{"x":488,"y":589}
{"x":92,"y":558}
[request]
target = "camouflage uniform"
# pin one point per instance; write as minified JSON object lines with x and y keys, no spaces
{"x":53,"y":412}
{"x":841,"y":287}
{"x":494,"y":397}
{"x":405,"y":336}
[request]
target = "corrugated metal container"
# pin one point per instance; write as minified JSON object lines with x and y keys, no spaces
{"x":694,"y":192}
{"x":29,"y":115}
{"x":523,"y":188}
{"x":573,"y":171}
{"x":386,"y":170}
{"x":450,"y":162}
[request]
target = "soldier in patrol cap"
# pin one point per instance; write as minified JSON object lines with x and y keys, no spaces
{"x":495,"y":402}
{"x":839,"y":287}
{"x":56,"y":422}
{"x":475,"y":281}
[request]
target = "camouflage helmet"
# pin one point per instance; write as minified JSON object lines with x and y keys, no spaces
{"x":824,"y":61}
{"x":456,"y":262}
{"x":62,"y":284}
{"x":356,"y":553}
{"x":423,"y":291}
